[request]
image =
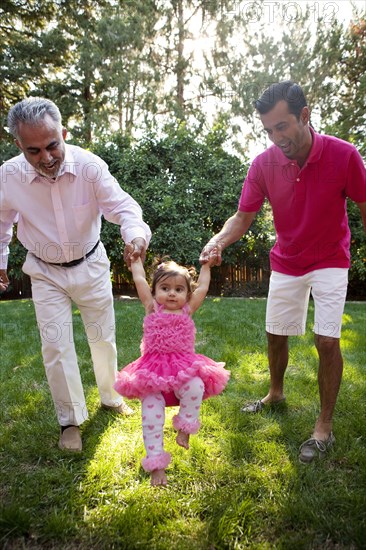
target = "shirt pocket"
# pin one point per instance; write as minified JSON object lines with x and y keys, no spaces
{"x":85,"y":215}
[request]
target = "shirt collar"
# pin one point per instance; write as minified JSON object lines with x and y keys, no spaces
{"x":68,"y":166}
{"x":315,"y":151}
{"x":316,"y":147}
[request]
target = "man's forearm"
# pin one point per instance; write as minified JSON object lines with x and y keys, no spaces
{"x":233,"y":229}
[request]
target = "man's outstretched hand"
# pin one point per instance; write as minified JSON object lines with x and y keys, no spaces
{"x":133,"y":250}
{"x":211,"y":253}
{"x":4,"y":281}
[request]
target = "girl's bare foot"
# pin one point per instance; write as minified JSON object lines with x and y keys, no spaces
{"x":182,"y":439}
{"x":158,"y":477}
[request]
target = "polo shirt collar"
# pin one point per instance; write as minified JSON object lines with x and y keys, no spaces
{"x":68,"y":166}
{"x":316,"y":147}
{"x":315,"y":151}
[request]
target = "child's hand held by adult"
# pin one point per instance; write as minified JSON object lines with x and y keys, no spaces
{"x":134,"y":250}
{"x":4,"y":281}
{"x":211,"y":254}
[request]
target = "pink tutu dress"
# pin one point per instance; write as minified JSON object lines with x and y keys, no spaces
{"x":168,"y":360}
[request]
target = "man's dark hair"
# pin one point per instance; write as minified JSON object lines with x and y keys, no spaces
{"x":288,"y":91}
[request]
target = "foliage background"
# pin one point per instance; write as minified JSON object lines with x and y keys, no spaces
{"x":163,"y":91}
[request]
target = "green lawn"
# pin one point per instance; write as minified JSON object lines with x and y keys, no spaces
{"x":239,"y":486}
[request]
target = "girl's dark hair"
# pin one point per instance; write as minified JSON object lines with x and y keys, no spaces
{"x":167,"y":269}
{"x":288,"y":91}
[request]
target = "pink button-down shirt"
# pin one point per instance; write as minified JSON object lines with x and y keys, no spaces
{"x":60,"y":220}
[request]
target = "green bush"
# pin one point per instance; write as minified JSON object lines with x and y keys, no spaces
{"x":187,"y":187}
{"x":357,"y":273}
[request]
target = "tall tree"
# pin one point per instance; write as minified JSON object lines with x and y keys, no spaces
{"x":348,"y":117}
{"x":237,"y":76}
{"x":28,"y":48}
{"x":74,"y":88}
{"x":182,"y":21}
{"x":128,"y":72}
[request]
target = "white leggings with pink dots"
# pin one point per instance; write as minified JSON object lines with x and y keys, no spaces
{"x":153,"y":418}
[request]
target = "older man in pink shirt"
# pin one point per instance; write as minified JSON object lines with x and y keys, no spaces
{"x":57,"y":194}
{"x":307,"y":178}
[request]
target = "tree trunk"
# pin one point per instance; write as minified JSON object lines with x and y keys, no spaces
{"x":180,"y":62}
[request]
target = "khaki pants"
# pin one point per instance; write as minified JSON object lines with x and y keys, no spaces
{"x":54,"y":289}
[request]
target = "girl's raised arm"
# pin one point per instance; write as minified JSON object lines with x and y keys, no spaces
{"x":203,"y":283}
{"x":142,"y":286}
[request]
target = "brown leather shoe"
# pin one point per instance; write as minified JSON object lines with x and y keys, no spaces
{"x":70,"y":439}
{"x":123,"y":408}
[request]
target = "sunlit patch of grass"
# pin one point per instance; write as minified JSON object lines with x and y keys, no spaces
{"x":240,"y":484}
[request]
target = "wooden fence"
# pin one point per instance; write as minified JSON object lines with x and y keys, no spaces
{"x":238,"y":280}
{"x":226,"y":280}
{"x":18,"y":289}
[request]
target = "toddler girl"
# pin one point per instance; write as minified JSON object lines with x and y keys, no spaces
{"x":169,"y":372}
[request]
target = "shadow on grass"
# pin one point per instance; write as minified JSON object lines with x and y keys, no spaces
{"x":320,"y":505}
{"x":239,"y":486}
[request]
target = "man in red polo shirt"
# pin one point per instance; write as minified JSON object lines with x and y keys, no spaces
{"x":307,"y":178}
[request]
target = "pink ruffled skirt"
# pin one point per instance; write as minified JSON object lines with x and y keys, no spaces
{"x":166,"y":373}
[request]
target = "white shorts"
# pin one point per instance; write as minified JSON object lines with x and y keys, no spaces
{"x":288,"y":301}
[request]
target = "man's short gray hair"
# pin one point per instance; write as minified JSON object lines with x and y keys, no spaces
{"x":32,"y":111}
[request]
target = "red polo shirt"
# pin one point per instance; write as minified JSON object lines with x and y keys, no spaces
{"x":308,"y":204}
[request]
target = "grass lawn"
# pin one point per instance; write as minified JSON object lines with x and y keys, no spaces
{"x":239,"y":486}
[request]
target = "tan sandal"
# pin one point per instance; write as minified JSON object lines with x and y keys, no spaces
{"x":315,"y":448}
{"x":258,"y":406}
